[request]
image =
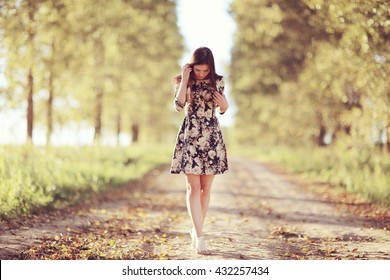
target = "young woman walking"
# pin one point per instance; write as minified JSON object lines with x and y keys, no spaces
{"x":200,"y":151}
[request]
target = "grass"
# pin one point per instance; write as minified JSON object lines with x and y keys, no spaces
{"x":365,"y":173}
{"x":34,"y":178}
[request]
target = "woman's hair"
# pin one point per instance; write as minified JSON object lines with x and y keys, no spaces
{"x":201,"y":56}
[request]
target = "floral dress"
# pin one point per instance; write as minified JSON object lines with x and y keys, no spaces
{"x":199,"y":148}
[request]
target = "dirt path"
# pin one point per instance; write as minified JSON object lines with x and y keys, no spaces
{"x":254,"y":214}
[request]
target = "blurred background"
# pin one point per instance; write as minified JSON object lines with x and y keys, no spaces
{"x":307,"y":80}
{"x":83,"y":72}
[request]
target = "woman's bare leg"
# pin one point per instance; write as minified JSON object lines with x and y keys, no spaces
{"x":193,"y":199}
{"x":205,"y":183}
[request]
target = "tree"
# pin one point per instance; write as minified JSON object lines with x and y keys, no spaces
{"x":19,"y":26}
{"x":92,"y":63}
{"x":303,"y":70}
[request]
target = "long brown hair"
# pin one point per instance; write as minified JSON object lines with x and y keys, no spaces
{"x":202,"y":55}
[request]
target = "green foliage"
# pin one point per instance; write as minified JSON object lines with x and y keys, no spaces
{"x":303,"y":70}
{"x":300,"y":68}
{"x":105,"y":65}
{"x":35,"y":178}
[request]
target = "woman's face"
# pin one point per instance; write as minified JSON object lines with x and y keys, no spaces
{"x":201,"y":71}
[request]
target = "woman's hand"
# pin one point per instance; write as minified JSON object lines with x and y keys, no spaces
{"x":181,"y":95}
{"x":221,"y":101}
{"x":185,"y":72}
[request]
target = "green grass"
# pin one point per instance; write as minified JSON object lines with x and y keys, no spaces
{"x":34,"y":178}
{"x":365,"y":173}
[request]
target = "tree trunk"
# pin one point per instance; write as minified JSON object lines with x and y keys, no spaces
{"x":99,"y":81}
{"x":50,"y":110}
{"x":30,"y":77}
{"x":49,"y":116}
{"x":30,"y":106}
{"x":386,"y":145}
{"x":135,"y":132}
{"x":118,"y":128}
{"x":321,"y":136}
{"x":98,"y":116}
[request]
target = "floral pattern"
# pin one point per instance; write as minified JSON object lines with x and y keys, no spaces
{"x":200,"y":148}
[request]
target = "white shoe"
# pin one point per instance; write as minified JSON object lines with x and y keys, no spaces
{"x":201,"y":247}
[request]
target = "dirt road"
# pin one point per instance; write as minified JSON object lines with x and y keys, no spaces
{"x":254,"y":214}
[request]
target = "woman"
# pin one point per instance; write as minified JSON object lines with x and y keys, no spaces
{"x":200,"y":152}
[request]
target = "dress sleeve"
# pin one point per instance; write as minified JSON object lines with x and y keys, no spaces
{"x":176,"y":103}
{"x":221,"y":88}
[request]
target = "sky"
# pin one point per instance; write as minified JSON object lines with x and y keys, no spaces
{"x":207,"y":23}
{"x":202,"y":23}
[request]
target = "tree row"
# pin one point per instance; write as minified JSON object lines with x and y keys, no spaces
{"x":95,"y":64}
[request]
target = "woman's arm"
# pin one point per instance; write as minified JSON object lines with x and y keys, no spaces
{"x":221,"y":101}
{"x":182,"y":91}
{"x":220,"y":98}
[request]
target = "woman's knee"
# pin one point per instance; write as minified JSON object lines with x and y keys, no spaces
{"x":193,"y":189}
{"x":193,"y":184}
{"x":206,"y":183}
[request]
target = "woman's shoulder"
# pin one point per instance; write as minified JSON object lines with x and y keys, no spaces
{"x":220,"y":81}
{"x":220,"y":84}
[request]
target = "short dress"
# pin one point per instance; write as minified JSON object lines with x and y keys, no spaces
{"x":199,"y":147}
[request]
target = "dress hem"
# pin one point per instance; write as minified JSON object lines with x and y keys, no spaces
{"x":181,"y":172}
